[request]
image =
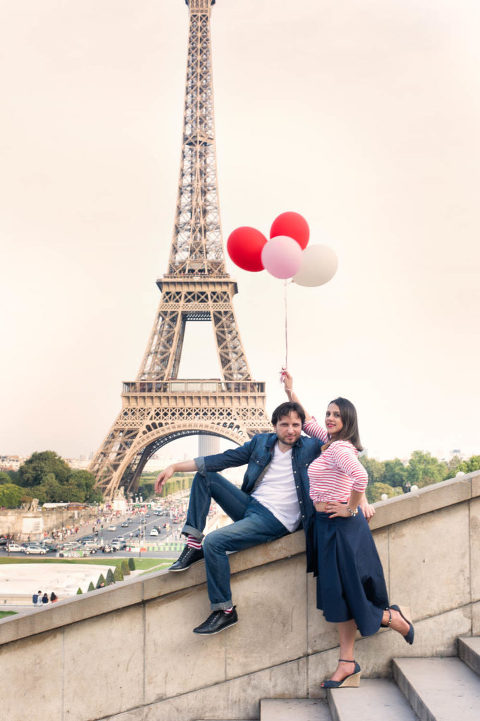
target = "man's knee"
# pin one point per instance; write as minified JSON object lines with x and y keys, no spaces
{"x":209,"y":542}
{"x":215,"y":541}
{"x":204,"y":479}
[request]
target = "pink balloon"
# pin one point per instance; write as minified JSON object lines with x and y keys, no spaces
{"x":282,"y":256}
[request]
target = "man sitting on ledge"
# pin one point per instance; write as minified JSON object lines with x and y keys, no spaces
{"x":273,"y":501}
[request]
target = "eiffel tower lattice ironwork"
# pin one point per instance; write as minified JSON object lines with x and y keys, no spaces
{"x":159,"y":407}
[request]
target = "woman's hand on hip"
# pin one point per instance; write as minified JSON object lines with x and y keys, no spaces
{"x":337,"y":510}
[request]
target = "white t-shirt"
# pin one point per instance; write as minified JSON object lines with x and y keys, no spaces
{"x":277,"y":491}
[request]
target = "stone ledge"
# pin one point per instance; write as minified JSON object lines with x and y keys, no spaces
{"x":162,"y":583}
{"x":136,"y":591}
{"x":425,"y":500}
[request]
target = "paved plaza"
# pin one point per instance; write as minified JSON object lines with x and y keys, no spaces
{"x":18,"y":581}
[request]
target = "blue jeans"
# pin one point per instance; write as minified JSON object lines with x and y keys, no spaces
{"x":253,"y":524}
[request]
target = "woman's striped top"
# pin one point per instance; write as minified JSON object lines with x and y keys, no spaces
{"x":336,"y":471}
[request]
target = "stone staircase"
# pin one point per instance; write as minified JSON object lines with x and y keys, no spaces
{"x":422,"y":689}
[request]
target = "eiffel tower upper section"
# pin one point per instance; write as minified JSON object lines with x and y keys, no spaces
{"x":196,"y":285}
{"x":197,"y":246}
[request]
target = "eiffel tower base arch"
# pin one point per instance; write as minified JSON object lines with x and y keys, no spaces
{"x":234,"y":411}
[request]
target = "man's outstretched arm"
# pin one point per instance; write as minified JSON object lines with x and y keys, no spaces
{"x":163,"y":476}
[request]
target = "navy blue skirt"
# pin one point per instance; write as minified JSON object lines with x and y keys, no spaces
{"x":350,"y":580}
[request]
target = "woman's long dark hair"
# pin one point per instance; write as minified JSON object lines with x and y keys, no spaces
{"x":348,"y":414}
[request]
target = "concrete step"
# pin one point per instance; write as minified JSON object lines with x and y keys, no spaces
{"x":439,"y":689}
{"x":375,"y":700}
{"x":469,"y":652}
{"x":294,"y":709}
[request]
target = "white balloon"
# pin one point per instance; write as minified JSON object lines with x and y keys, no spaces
{"x":319,"y":265}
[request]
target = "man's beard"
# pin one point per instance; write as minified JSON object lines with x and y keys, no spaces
{"x":288,"y":443}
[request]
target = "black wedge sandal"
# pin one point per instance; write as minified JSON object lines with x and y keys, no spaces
{"x":410,"y":635}
{"x":350,"y":681}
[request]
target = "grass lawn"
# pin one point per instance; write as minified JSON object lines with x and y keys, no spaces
{"x":7,"y":613}
{"x":141,"y":564}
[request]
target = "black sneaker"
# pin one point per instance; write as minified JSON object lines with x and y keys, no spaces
{"x":187,"y":558}
{"x":216,"y":622}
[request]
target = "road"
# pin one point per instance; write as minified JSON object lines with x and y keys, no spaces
{"x":138,"y":528}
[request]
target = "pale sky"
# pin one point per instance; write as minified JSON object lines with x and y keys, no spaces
{"x":362,"y":115}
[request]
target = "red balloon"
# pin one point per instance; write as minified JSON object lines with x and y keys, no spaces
{"x":293,"y":225}
{"x":244,"y":246}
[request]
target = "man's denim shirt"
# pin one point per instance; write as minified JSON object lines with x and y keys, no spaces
{"x":258,"y":454}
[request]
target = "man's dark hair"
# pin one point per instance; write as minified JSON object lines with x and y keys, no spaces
{"x":285,"y":409}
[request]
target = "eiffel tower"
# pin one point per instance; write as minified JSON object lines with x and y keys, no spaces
{"x":158,"y":406}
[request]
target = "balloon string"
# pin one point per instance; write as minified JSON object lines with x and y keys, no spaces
{"x":286,"y":323}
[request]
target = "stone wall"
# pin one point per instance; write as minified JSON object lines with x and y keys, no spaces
{"x":23,"y":525}
{"x":127,"y":653}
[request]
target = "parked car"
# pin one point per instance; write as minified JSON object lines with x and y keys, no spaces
{"x":3,"y":541}
{"x":118,"y":544}
{"x":71,"y":549}
{"x":35,"y":548}
{"x":51,"y":545}
{"x":91,"y":546}
{"x":14,"y":547}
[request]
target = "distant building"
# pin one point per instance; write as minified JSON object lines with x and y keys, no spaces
{"x":78,"y":464}
{"x":11,"y":463}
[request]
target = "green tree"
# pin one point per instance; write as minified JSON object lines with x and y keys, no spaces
{"x":91,"y":587}
{"x":101,"y":581}
{"x":110,"y":578}
{"x":79,"y":591}
{"x":35,"y":470}
{"x":4,"y":478}
{"x":50,"y":479}
{"x":472,"y":464}
{"x":374,"y":468}
{"x":82,"y":484}
{"x":14,"y":477}
{"x":423,"y":469}
{"x":125,"y":568}
{"x":131,"y":564}
{"x":50,"y":490}
{"x":395,"y":473}
{"x":11,"y":495}
{"x":453,"y":467}
{"x":118,"y":575}
{"x":375,"y":491}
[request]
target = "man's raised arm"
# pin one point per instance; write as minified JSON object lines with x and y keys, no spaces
{"x":163,"y":476}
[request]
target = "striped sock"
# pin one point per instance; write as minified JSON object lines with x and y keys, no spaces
{"x":193,"y":542}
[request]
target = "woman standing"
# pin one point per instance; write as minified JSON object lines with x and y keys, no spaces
{"x":351,"y":588}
